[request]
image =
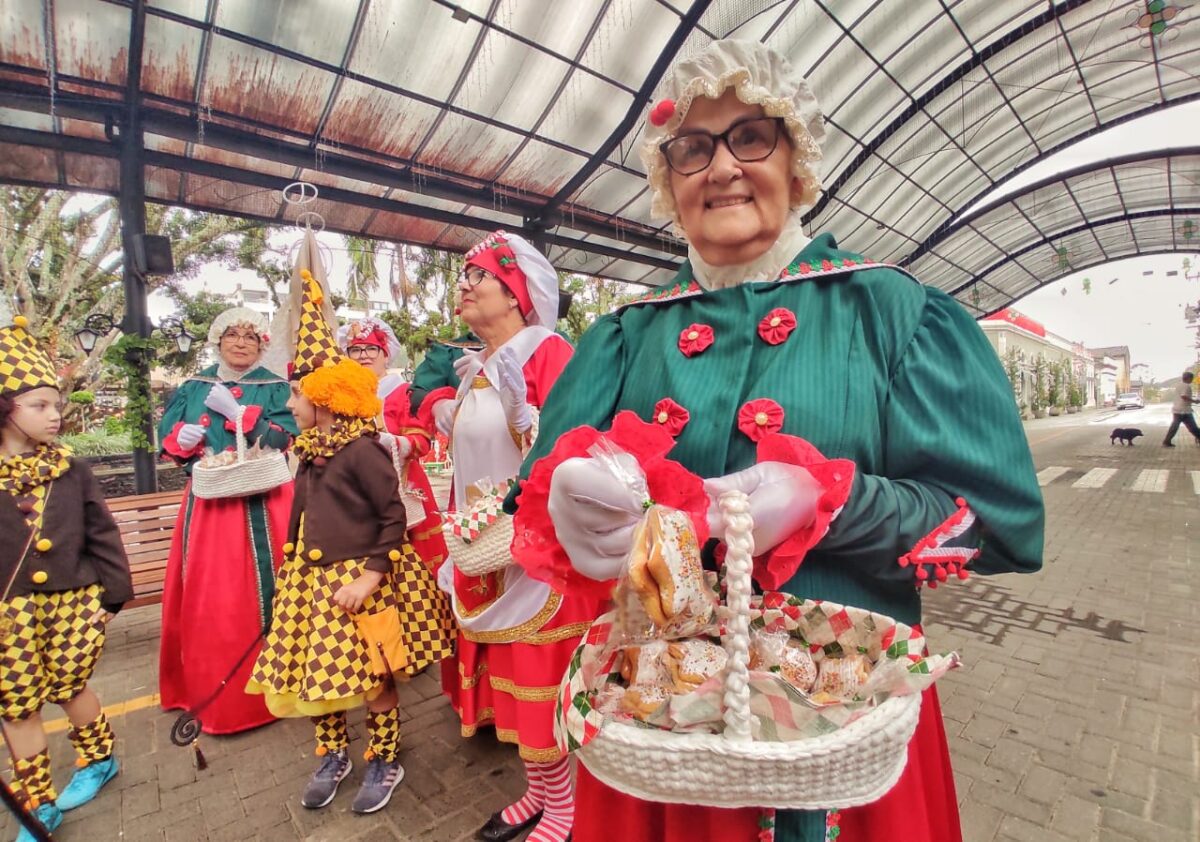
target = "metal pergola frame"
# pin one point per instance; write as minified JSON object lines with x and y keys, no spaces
{"x":129,"y":113}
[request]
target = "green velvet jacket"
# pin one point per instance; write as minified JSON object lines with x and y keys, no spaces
{"x":437,"y":369}
{"x":275,"y":426}
{"x":881,"y":370}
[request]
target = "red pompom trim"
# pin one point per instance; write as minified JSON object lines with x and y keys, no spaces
{"x":663,"y":111}
{"x":931,"y":560}
{"x":535,"y":546}
{"x":695,"y":339}
{"x":760,"y":418}
{"x":836,"y":477}
{"x":777,"y":326}
{"x":670,"y":416}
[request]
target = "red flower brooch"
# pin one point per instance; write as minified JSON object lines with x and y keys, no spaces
{"x":694,"y":339}
{"x":759,"y":418}
{"x":671,"y":416}
{"x":777,"y":326}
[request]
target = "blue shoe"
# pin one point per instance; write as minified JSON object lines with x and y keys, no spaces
{"x":50,"y":817}
{"x":86,"y":782}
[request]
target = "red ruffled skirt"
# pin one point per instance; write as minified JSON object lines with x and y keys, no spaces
{"x":514,"y":685}
{"x":922,"y":807}
{"x":216,"y":601}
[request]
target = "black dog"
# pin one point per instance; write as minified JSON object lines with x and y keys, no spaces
{"x":1125,"y":434}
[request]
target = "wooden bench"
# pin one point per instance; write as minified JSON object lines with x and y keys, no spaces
{"x":147,"y":522}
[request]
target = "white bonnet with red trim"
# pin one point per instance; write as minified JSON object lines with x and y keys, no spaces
{"x":760,"y":76}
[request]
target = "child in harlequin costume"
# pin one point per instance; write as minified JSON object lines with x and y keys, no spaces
{"x":374,"y":345}
{"x":63,"y":575}
{"x":355,"y":607}
{"x":766,"y":332}
{"x":516,"y":635}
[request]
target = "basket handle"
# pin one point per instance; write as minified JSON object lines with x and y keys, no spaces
{"x":739,"y":562}
{"x":239,"y":435}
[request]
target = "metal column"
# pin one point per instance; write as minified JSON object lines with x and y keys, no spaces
{"x":131,"y":203}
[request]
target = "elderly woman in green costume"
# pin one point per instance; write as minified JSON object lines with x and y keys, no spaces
{"x":762,"y":331}
{"x":224,"y":553}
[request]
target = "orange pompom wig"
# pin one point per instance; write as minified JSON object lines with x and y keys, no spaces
{"x":344,"y":388}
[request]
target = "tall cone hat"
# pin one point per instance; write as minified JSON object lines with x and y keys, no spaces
{"x":316,"y":345}
{"x":23,"y":363}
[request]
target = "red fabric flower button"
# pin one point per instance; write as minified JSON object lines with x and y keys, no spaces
{"x":759,"y":418}
{"x":236,"y":391}
{"x":671,"y":416}
{"x":205,"y":420}
{"x":693,"y":339}
{"x":777,"y":326}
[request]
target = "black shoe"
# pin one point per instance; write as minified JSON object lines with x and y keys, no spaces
{"x":498,"y":830}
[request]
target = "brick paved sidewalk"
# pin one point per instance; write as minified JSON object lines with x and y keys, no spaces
{"x":1075,"y":717}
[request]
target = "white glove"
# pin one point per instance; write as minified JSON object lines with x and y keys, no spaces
{"x":783,"y":498}
{"x":220,"y":399}
{"x":464,"y":362}
{"x":512,"y":390}
{"x":443,"y":416}
{"x":190,"y":435}
{"x":445,"y":577}
{"x":594,"y":515}
{"x":401,"y":443}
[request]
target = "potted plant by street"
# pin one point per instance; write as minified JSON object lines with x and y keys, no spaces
{"x":1037,"y":395}
{"x":1054,"y":390}
{"x":1074,"y":397}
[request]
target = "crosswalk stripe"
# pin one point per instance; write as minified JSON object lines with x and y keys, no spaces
{"x":1195,"y":481}
{"x":1095,"y":478}
{"x":1049,"y":475}
{"x":1151,"y":480}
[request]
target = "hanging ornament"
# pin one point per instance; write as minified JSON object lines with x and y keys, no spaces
{"x":1188,"y":229}
{"x":1087,"y":286}
{"x":1063,"y":258}
{"x":1152,"y":20}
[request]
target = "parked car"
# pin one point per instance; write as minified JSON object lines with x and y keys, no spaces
{"x":1130,"y":400}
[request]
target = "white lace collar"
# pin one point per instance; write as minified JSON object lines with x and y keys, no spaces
{"x":765,"y":267}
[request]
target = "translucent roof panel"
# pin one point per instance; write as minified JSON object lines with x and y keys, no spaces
{"x":431,"y":122}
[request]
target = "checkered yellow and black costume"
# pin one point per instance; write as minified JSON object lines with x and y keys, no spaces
{"x":315,"y":661}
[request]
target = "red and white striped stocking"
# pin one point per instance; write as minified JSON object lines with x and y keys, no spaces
{"x":558,"y":814}
{"x":532,"y":801}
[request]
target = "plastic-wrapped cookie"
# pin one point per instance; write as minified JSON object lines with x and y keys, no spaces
{"x":646,"y":664}
{"x":692,"y":662}
{"x":644,"y":701}
{"x":666,"y":574}
{"x":842,"y":679}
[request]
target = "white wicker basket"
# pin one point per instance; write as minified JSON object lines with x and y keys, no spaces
{"x":487,"y":553}
{"x":854,"y":765}
{"x":243,"y":478}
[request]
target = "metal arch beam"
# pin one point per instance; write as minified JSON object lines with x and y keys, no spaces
{"x":1083,"y":268}
{"x":1082,"y":136}
{"x":918,"y":105}
{"x":1078,"y":229}
{"x":686,"y":24}
{"x":946,"y":232}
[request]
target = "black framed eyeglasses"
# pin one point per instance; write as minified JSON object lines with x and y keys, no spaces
{"x":473,"y":276}
{"x":747,"y":140}
{"x":369,"y":352}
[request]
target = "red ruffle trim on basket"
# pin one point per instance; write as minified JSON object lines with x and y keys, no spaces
{"x":171,"y":445}
{"x":836,"y":476}
{"x":425,"y":412}
{"x":249,"y":419}
{"x":535,"y":546}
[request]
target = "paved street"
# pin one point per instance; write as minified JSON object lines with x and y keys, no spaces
{"x":1075,"y":717}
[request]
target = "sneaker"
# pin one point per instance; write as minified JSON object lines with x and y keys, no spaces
{"x":381,"y":779}
{"x":86,"y":783}
{"x":323,"y":785}
{"x":50,"y":817}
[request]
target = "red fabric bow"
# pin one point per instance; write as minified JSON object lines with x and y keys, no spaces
{"x":777,"y":326}
{"x":759,"y":418}
{"x":671,"y":416}
{"x":694,"y":339}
